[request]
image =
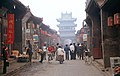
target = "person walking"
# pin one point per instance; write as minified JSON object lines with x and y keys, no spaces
{"x":5,"y":57}
{"x":78,"y":50}
{"x":66,"y":49}
{"x":83,"y":49}
{"x":74,"y":54}
{"x":29,"y":50}
{"x":72,"y":49}
{"x":41,"y":53}
{"x":56,"y":47}
{"x":50,"y":51}
{"x":44,"y":48}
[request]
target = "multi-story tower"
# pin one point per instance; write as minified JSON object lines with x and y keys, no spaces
{"x":67,"y":28}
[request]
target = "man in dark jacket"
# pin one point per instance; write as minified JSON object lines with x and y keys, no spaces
{"x":74,"y":55}
{"x":78,"y":50}
{"x":66,"y":49}
{"x":83,"y":48}
{"x":5,"y":57}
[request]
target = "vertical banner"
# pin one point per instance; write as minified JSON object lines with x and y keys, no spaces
{"x":10,"y":29}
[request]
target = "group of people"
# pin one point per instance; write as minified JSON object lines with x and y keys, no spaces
{"x":49,"y":52}
{"x":43,"y":51}
{"x":75,"y":51}
{"x":71,"y":51}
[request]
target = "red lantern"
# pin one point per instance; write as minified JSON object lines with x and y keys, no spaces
{"x":110,"y":21}
{"x":117,"y":18}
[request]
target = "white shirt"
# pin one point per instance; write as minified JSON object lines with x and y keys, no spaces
{"x":60,"y":51}
{"x":44,"y":48}
{"x":72,"y":48}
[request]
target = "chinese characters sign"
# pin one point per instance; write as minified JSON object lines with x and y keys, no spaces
{"x":117,"y":18}
{"x":110,"y":21}
{"x":10,"y":29}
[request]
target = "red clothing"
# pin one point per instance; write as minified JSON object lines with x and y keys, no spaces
{"x":50,"y":48}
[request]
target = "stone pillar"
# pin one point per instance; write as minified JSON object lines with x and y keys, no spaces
{"x":105,"y":56}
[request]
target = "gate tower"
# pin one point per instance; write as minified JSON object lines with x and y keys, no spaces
{"x":67,"y":28}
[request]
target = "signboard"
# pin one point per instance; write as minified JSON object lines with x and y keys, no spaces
{"x":10,"y":29}
{"x":110,"y":21}
{"x":115,"y":66}
{"x":35,"y":38}
{"x":27,"y":30}
{"x":84,"y":37}
{"x":117,"y":18}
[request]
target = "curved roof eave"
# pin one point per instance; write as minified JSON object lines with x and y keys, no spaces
{"x":91,"y":4}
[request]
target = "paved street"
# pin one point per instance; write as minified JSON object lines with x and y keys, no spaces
{"x":69,"y":68}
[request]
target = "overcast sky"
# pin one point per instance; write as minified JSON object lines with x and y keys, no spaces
{"x":51,"y":10}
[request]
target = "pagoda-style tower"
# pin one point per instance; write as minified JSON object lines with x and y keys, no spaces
{"x":67,"y":28}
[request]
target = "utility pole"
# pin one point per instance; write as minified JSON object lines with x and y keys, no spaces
{"x":1,"y":34}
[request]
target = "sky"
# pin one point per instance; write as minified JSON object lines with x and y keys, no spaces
{"x":50,"y":10}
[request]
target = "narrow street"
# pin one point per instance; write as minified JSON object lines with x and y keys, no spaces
{"x":69,"y":68}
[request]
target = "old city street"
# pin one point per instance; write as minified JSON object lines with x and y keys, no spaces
{"x":68,"y":68}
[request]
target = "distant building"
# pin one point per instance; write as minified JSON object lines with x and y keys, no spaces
{"x":67,"y":28}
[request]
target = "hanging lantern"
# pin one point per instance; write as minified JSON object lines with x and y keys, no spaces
{"x":110,"y":21}
{"x":117,"y":18}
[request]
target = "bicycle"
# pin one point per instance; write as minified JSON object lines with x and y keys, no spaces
{"x":87,"y":57}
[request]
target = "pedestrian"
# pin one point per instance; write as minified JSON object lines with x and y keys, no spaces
{"x":41,"y":53}
{"x":66,"y":49}
{"x":56,"y":49}
{"x":78,"y":50}
{"x":74,"y":54}
{"x":72,"y":49}
{"x":5,"y":57}
{"x":57,"y":46}
{"x":29,"y":50}
{"x":60,"y":54}
{"x":44,"y":48}
{"x":83,"y":49}
{"x":50,"y":51}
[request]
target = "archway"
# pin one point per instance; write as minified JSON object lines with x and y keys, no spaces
{"x":67,"y":41}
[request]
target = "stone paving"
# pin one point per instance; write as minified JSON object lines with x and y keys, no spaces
{"x":99,"y":64}
{"x":70,"y":68}
{"x":45,"y":69}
